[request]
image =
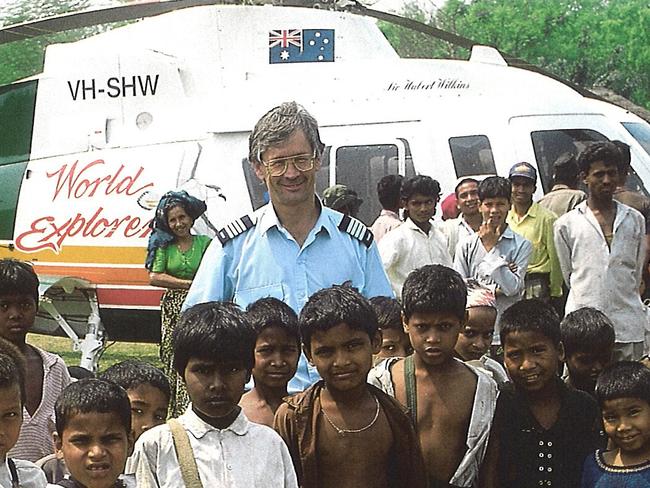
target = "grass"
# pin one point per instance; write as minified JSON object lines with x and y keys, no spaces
{"x":114,"y":353}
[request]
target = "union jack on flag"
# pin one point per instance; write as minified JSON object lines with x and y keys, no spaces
{"x":286,"y":38}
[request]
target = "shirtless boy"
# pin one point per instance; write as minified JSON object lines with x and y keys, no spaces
{"x":451,"y":403}
{"x":277,"y":349}
{"x":342,"y":431}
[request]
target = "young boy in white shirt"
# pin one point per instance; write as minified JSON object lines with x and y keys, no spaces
{"x":216,"y":443}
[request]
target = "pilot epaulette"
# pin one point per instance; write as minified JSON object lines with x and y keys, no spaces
{"x":356,"y":229}
{"x":235,"y":228}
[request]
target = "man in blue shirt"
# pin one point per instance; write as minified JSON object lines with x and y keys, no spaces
{"x":293,"y":246}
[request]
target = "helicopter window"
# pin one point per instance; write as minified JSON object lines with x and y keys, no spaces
{"x":361,"y":168}
{"x":256,"y":188}
{"x":472,"y":155}
{"x":641,"y":132}
{"x":550,"y":144}
{"x":323,"y":173}
{"x":410,"y":169}
{"x":17,"y":103}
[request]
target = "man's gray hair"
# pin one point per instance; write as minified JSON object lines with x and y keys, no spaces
{"x":277,"y":125}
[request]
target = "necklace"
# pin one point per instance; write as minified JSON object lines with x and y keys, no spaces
{"x":342,"y":432}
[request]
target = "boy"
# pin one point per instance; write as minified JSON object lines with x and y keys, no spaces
{"x":14,"y":472}
{"x":46,"y":374}
{"x":93,"y":433}
{"x":388,"y":192}
{"x":588,"y":339}
{"x":341,"y":431}
{"x":417,"y":241}
{"x":394,"y":341}
{"x":545,"y":428}
{"x":495,"y":256}
{"x":623,"y":392}
{"x":601,"y":247}
{"x":277,"y":349}
{"x":476,"y":336}
{"x":213,"y":353}
{"x":451,"y":404}
{"x":148,"y":391}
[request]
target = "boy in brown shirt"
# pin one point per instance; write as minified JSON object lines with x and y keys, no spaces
{"x":342,"y":431}
{"x":452,"y":404}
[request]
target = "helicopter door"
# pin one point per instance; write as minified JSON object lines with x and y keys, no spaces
{"x":361,"y":166}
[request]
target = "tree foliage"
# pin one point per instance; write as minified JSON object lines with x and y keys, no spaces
{"x":589,"y":42}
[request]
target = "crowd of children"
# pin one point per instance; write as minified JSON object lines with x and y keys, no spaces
{"x":409,"y":396}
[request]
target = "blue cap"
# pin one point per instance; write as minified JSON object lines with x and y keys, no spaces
{"x":524,"y":169}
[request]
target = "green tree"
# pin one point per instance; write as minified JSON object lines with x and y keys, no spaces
{"x":587,"y":42}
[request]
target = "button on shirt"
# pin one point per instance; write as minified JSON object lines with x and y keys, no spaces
{"x":266,"y":261}
{"x":243,"y":455}
{"x":537,"y":226}
{"x":491,"y":268}
{"x":407,"y":248}
{"x":598,"y":277}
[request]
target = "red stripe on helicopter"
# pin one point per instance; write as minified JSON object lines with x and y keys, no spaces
{"x":129,"y":297}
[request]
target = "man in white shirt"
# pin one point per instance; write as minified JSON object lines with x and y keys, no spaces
{"x":469,"y":220}
{"x":388,"y":192}
{"x":417,"y":241}
{"x":601,"y":248}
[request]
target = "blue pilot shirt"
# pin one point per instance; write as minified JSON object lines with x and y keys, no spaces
{"x":264,"y":260}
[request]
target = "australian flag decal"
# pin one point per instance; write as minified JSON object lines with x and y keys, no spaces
{"x":301,"y":46}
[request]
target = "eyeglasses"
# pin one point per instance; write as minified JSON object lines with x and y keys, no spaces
{"x":278,"y":167}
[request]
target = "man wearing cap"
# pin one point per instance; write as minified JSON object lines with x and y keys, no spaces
{"x":564,"y":196}
{"x":293,"y":246}
{"x":534,"y":222}
{"x":342,"y":199}
{"x":469,"y":220}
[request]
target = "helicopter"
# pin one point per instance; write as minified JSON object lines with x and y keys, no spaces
{"x":115,"y":120}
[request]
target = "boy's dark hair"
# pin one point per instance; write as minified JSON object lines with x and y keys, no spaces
{"x":388,"y":311}
{"x":604,"y":151}
{"x":588,"y":330}
{"x":12,"y":368}
{"x":434,"y":289}
{"x":625,"y":379}
{"x":18,"y":277}
{"x":132,"y":373}
{"x":388,"y":191}
{"x":565,"y":170}
{"x":625,"y":155}
{"x":531,"y":315}
{"x":92,"y":395}
{"x":330,"y":307}
{"x":214,"y":331}
{"x":494,"y":187}
{"x":269,"y":311}
{"x":422,"y":185}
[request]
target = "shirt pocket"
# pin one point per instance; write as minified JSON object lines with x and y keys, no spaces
{"x":246,"y":296}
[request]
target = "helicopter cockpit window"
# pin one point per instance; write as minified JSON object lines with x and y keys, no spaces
{"x":16,"y":121}
{"x":472,"y":155}
{"x":641,"y":132}
{"x":550,"y":144}
{"x":360,"y":168}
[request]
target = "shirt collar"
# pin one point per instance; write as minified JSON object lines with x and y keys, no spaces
{"x":269,"y":218}
{"x":389,"y":213}
{"x":531,"y":212}
{"x":412,"y":225}
{"x":508,"y":233}
{"x":199,"y":428}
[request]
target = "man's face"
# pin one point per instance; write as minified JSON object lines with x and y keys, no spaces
{"x":17,"y":315}
{"x":467,"y":198}
{"x":601,"y":180}
{"x":495,"y":210}
{"x":522,"y":190}
{"x":421,"y":208}
{"x":294,"y":186}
